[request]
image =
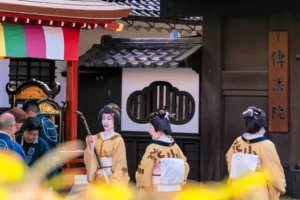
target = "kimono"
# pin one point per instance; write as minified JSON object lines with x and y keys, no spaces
{"x":49,"y":134}
{"x":8,"y":144}
{"x":162,"y":172}
{"x":266,"y":157}
{"x":112,"y":155}
{"x":48,"y":131}
{"x":33,"y":151}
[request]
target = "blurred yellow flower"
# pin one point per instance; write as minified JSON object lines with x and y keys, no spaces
{"x":16,"y":185}
{"x":223,"y":191}
{"x":12,"y":167}
{"x":211,"y":191}
{"x":28,"y":191}
{"x":64,"y":180}
{"x":248,"y":183}
{"x":3,"y":194}
{"x":112,"y":192}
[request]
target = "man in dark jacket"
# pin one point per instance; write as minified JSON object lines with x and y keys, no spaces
{"x":48,"y":130}
{"x":33,"y":145}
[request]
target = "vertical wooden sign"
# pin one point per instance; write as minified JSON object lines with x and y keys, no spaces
{"x":278,"y":82}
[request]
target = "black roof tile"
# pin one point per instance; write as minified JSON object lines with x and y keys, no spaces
{"x":136,"y":52}
{"x":146,"y":8}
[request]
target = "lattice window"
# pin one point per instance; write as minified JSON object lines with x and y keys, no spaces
{"x":158,"y":95}
{"x":21,"y":70}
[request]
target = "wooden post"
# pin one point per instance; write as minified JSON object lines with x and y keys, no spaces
{"x":72,"y":100}
{"x":287,"y":145}
{"x":211,"y":100}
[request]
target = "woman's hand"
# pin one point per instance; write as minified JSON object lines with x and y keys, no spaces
{"x":90,"y":143}
{"x":90,"y":140}
{"x":99,"y":173}
{"x":99,"y":177}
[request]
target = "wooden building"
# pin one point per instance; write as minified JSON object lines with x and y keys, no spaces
{"x":247,"y":47}
{"x":36,"y":31}
{"x":174,"y":59}
{"x":143,"y":75}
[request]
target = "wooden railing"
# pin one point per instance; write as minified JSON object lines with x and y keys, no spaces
{"x":72,"y":164}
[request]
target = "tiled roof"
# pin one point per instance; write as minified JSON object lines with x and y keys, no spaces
{"x":146,"y":8}
{"x":146,"y":52}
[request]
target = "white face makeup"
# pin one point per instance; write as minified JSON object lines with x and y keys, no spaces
{"x":108,"y":122}
{"x":155,"y":135}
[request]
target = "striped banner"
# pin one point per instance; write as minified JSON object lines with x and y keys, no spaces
{"x":43,"y":42}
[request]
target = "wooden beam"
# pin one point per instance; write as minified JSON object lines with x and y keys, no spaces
{"x":255,"y":93}
{"x":72,"y":100}
{"x":163,"y":20}
{"x":211,"y":100}
{"x":221,"y":7}
{"x":245,"y":80}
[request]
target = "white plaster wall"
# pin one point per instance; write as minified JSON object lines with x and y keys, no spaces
{"x":138,"y":78}
{"x":4,"y":71}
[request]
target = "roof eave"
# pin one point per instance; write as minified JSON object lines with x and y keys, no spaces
{"x":164,"y":20}
{"x":95,"y":15}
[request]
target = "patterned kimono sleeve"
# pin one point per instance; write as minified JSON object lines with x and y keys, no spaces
{"x":49,"y":132}
{"x":186,"y":165}
{"x":271,"y":163}
{"x":90,"y":163}
{"x":119,"y":168}
{"x":143,"y":174}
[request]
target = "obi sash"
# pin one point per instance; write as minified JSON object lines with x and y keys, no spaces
{"x":168,"y":174}
{"x":106,"y":164}
{"x":243,"y":163}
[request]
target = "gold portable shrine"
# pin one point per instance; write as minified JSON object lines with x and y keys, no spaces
{"x":39,"y":91}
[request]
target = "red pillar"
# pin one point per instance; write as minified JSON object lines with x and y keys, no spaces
{"x":72,"y":100}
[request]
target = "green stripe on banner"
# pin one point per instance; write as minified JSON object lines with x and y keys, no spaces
{"x":14,"y":40}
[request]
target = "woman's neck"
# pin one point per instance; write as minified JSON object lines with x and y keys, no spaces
{"x":108,"y":133}
{"x":250,"y":136}
{"x":164,"y":138}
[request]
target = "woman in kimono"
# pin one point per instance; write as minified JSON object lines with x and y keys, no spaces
{"x":163,"y":170}
{"x":110,"y":147}
{"x":259,"y":153}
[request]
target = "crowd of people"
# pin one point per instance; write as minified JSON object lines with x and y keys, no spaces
{"x":29,"y":133}
{"x":163,"y":170}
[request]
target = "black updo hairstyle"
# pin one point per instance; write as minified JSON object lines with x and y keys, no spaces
{"x":255,"y":119}
{"x":161,"y":121}
{"x":114,"y":110}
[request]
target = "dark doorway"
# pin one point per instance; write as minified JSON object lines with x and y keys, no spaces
{"x":95,"y":90}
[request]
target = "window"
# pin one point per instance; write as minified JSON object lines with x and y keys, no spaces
{"x":21,"y":70}
{"x":158,"y":95}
